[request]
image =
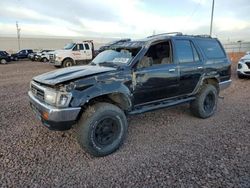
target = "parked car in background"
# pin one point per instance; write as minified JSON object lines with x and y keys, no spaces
{"x":73,"y":54}
{"x":243,"y":67}
{"x":31,"y":56}
{"x":43,"y":56}
{"x":110,"y":44}
{"x":4,"y":57}
{"x":21,"y":54}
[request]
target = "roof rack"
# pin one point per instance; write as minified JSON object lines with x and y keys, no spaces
{"x":166,"y":34}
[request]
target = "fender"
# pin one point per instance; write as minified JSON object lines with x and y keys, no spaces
{"x":114,"y":90}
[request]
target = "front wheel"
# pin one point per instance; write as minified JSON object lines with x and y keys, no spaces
{"x":67,"y":63}
{"x":205,"y":103}
{"x":240,"y":76}
{"x":102,"y":129}
{"x":44,"y":60}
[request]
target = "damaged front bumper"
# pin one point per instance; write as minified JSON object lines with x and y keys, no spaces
{"x":52,"y":117}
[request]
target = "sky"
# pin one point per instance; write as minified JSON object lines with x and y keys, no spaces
{"x":124,"y":18}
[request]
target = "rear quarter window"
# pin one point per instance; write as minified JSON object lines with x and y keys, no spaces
{"x":211,"y":48}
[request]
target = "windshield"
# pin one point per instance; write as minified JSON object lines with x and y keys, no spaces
{"x":69,"y":46}
{"x":115,"y":57}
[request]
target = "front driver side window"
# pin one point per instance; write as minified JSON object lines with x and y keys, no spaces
{"x":158,"y":54}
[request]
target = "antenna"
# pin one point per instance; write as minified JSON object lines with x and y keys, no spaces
{"x":18,"y":34}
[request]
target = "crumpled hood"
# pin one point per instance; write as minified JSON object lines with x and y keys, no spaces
{"x":70,"y":73}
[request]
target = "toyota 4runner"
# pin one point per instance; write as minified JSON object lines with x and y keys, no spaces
{"x":131,"y":78}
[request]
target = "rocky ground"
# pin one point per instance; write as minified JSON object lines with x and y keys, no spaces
{"x":164,"y":148}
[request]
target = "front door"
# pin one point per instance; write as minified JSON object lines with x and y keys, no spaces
{"x":156,"y":76}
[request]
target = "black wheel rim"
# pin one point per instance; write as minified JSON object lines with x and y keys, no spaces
{"x":106,"y":131}
{"x":209,"y":102}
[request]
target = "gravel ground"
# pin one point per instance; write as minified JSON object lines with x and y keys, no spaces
{"x":167,"y":147}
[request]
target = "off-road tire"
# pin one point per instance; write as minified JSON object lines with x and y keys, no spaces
{"x":67,"y":63}
{"x":91,"y":125}
{"x":205,"y":103}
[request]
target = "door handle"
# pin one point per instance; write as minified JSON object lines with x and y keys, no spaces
{"x":171,"y":70}
{"x":199,"y":67}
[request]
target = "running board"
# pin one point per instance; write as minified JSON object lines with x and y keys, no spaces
{"x":160,"y":106}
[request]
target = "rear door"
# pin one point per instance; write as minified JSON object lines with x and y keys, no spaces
{"x":87,"y":51}
{"x":190,"y":65}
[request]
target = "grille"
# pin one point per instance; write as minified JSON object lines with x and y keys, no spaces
{"x":37,"y":92}
{"x":248,"y":64}
{"x":52,"y":58}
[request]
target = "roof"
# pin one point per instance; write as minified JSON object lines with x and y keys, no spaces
{"x":153,"y":38}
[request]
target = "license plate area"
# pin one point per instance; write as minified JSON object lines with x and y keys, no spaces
{"x":36,"y":111}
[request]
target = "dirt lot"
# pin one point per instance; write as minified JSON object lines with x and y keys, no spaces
{"x":167,"y":147}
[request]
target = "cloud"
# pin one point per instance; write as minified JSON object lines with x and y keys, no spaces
{"x":112,"y":18}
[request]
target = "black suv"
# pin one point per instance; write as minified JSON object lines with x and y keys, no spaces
{"x":21,"y":54}
{"x":4,"y":57}
{"x":130,"y":78}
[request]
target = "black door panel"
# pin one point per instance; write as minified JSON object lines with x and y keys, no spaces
{"x":155,"y":83}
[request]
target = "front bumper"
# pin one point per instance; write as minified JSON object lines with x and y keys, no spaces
{"x":52,"y":117}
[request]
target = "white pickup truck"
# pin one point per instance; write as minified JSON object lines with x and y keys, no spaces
{"x":73,"y":54}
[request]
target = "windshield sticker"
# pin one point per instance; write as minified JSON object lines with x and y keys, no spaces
{"x":120,"y":60}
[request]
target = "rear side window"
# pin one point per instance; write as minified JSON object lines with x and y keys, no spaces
{"x":86,"y":46}
{"x":211,"y":48}
{"x":186,"y":51}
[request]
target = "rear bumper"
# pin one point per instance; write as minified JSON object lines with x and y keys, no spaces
{"x":225,"y":84}
{"x":52,"y":117}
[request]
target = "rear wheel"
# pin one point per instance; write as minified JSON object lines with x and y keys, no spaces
{"x":102,"y":129}
{"x":67,"y":63}
{"x":205,"y":103}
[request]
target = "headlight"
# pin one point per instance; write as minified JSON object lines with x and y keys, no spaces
{"x":58,"y":57}
{"x":57,"y":98}
{"x":50,"y":96}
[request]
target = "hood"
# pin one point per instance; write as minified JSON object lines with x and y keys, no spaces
{"x":70,"y":73}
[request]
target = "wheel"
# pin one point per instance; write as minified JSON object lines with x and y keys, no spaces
{"x":240,"y":76}
{"x":16,"y":58}
{"x":205,"y":103}
{"x":3,"y":61}
{"x":102,"y":129}
{"x":44,"y":60}
{"x":67,"y":63}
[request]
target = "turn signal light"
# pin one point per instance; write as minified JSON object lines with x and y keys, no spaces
{"x":45,"y":115}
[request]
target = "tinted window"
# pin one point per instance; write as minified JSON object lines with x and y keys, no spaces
{"x":86,"y":46}
{"x":196,"y":55}
{"x":80,"y":47}
{"x":211,"y":48}
{"x":184,"y":51}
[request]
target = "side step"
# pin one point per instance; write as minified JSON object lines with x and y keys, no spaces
{"x":160,"y":105}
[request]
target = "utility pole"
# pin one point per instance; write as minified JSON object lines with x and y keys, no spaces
{"x":18,"y":34}
{"x":212,"y":17}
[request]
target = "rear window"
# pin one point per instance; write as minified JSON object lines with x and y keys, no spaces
{"x":211,"y":48}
